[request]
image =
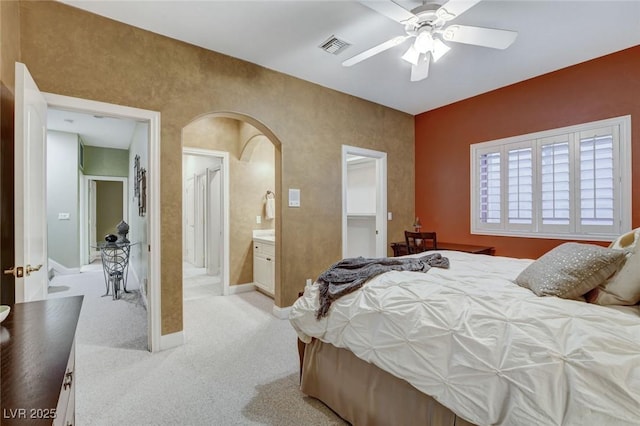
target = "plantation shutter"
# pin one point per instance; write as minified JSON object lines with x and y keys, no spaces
{"x":597,"y":184}
{"x":489,"y":188}
{"x":556,"y":183}
{"x":520,"y":187}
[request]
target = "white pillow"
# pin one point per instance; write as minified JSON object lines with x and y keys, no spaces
{"x":624,"y":287}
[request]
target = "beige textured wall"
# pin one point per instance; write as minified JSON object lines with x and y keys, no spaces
{"x":9,"y":41}
{"x":250,"y":175}
{"x":75,"y":53}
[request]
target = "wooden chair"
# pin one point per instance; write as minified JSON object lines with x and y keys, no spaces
{"x":418,"y":242}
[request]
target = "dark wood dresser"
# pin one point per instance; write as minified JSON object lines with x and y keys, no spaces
{"x":37,"y":357}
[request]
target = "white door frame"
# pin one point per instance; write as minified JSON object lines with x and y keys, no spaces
{"x":84,"y":210}
{"x":224,"y":156}
{"x":381,"y":196}
{"x":156,"y":341}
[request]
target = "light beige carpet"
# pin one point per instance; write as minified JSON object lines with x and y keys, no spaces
{"x":239,"y":365}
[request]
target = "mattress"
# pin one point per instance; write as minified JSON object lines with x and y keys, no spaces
{"x":490,"y":351}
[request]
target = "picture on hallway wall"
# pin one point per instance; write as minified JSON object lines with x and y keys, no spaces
{"x":142,"y":199}
{"x":140,"y":186}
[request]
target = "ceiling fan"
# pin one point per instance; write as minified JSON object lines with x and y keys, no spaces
{"x":427,"y":23}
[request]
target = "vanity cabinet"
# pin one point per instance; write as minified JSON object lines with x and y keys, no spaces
{"x":38,"y":362}
{"x":264,"y":266}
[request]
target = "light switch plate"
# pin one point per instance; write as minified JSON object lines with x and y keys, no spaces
{"x":294,"y":197}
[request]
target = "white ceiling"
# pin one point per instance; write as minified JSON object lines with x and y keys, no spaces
{"x":96,"y":130}
{"x":285,"y":35}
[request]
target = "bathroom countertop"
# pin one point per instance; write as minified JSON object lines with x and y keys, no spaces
{"x":264,"y":235}
{"x":265,"y":238}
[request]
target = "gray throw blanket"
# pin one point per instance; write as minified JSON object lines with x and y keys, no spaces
{"x":350,"y":274}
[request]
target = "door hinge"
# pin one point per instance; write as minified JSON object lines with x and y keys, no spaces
{"x":149,"y":248}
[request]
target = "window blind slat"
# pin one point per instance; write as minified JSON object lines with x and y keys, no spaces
{"x":596,"y":180}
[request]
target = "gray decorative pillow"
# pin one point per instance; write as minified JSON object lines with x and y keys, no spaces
{"x":571,"y":270}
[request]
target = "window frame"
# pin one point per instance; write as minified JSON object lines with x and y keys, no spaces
{"x":575,"y":231}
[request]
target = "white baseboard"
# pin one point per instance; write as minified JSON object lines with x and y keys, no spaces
{"x":61,"y":269}
{"x":241,"y":288}
{"x":141,"y":286}
{"x":173,"y":340}
{"x":281,"y":313}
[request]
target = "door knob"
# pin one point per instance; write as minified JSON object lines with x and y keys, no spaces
{"x":31,"y":269}
{"x":16,"y":272}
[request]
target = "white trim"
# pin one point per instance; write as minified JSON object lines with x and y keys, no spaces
{"x":61,"y":269}
{"x":224,"y":156}
{"x":281,"y":313}
{"x":154,"y":314}
{"x":240,"y":288}
{"x":143,"y":294}
{"x":170,"y":341}
{"x":381,"y":196}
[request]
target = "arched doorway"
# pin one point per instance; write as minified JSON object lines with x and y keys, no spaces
{"x":250,"y":158}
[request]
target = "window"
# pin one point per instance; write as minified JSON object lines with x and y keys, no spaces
{"x":568,"y":183}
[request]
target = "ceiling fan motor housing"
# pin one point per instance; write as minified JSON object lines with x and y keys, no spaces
{"x":426,"y":11}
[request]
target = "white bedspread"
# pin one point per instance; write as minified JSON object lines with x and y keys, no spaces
{"x":489,"y":350}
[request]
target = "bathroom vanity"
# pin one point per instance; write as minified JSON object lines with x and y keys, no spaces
{"x":264,"y":261}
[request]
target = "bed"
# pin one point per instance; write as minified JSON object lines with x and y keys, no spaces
{"x":467,"y":345}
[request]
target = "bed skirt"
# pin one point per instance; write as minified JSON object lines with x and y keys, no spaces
{"x":363,"y":394}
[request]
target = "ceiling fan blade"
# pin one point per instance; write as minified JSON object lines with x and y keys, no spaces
{"x":390,"y":10}
{"x":487,"y":37}
{"x":454,"y":8}
{"x":420,"y":71}
{"x":374,"y":50}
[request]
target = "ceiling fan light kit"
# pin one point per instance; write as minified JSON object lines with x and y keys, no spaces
{"x":411,"y":55}
{"x":426,"y":23}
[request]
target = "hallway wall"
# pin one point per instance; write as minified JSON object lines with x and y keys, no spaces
{"x":139,"y":254}
{"x":62,"y":198}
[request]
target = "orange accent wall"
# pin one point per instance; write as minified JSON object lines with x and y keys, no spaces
{"x":598,"y":89}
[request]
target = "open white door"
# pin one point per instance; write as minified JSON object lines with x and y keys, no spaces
{"x":214,"y":224}
{"x":190,"y":215}
{"x":200,"y":221}
{"x":30,"y":267}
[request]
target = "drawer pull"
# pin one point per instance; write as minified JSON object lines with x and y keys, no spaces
{"x":68,"y":380}
{"x":268,"y":259}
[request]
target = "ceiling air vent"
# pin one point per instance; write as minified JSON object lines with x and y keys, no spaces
{"x":334,"y":45}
